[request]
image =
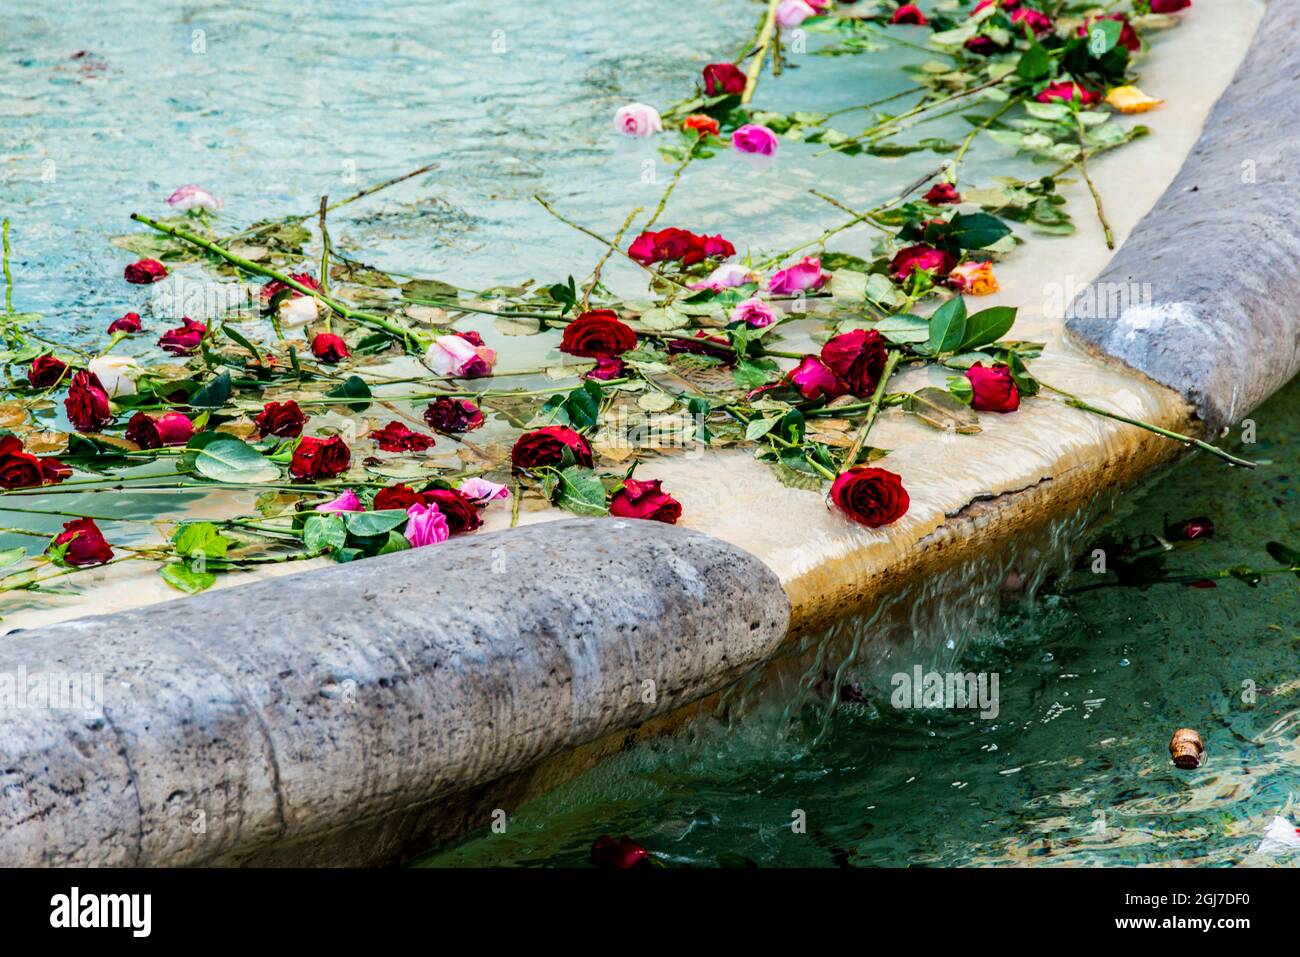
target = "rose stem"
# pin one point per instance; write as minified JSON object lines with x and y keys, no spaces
{"x":760,"y":55}
{"x":362,"y":317}
{"x":1082,"y":164}
{"x":672,"y":184}
{"x":970,"y":137}
{"x":324,"y":279}
{"x":851,"y":457}
{"x":9,"y":279}
{"x":618,"y":241}
{"x":908,"y":114}
{"x":601,"y":239}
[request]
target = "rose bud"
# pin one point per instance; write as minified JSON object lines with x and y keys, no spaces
{"x":18,"y":468}
{"x":1066,"y":91}
{"x":857,"y":358}
{"x":45,"y":371}
{"x":283,"y":419}
{"x":1187,"y":749}
{"x":149,"y":433}
{"x":806,"y":274}
{"x":814,"y":379}
{"x":319,"y":458}
{"x":545,"y":447}
{"x":183,"y":339}
{"x":425,"y":525}
{"x":992,"y":389}
{"x":396,"y":437}
{"x":397,"y":496}
{"x":755,"y":140}
{"x":722,"y":78}
{"x":618,"y":855}
{"x":329,"y":348}
{"x":128,"y":324}
{"x":702,"y":125}
{"x":1190,"y":529}
{"x":597,"y":333}
{"x":458,"y":356}
{"x":83,"y":543}
{"x":920,"y":256}
{"x":453,"y":416}
{"x":87,"y":403}
{"x":638,"y":120}
{"x":910,"y":14}
{"x":193,"y":197}
{"x":942,"y":194}
{"x":144,"y":272}
{"x":870,"y":496}
{"x":606,"y":368}
{"x":645,"y":500}
{"x":457,"y":509}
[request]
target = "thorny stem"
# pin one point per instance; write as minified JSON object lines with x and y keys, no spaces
{"x":851,"y":457}
{"x":914,"y":111}
{"x":9,"y":279}
{"x":605,"y":242}
{"x":1082,"y":164}
{"x":618,"y":242}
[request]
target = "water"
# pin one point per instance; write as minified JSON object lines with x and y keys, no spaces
{"x":1073,"y":770}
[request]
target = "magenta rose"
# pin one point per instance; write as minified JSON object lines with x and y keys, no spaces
{"x":754,"y":139}
{"x":993,"y":389}
{"x":806,"y":274}
{"x":814,"y":379}
{"x":920,"y":256}
{"x":172,"y":428}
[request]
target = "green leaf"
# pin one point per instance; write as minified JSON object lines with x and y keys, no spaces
{"x":904,"y":328}
{"x":1284,"y":554}
{"x":230,"y":460}
{"x":975,"y":230}
{"x":363,"y":524}
{"x":353,"y":387}
{"x":183,"y":577}
{"x":758,"y":428}
{"x":943,"y":410}
{"x":948,"y":326}
{"x":428,"y":289}
{"x":1035,"y":63}
{"x":1102,"y":36}
{"x":213,"y":394}
{"x":579,"y":490}
{"x":200,"y":538}
{"x":324,"y":530}
{"x":752,"y":373}
{"x":12,"y":556}
{"x":988,"y":325}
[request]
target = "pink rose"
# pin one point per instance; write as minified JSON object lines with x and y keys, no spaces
{"x":726,"y":276}
{"x":752,"y":138}
{"x":481,"y":491}
{"x":638,"y":119}
{"x":791,"y":13}
{"x":813,"y":378}
{"x":805,"y":274}
{"x":426,"y":525}
{"x":193,"y":197}
{"x":460,"y":357}
{"x":754,"y":312}
{"x":347,"y":502}
{"x":1065,"y":91}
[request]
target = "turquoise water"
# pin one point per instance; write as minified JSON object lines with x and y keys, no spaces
{"x":1075,"y":767}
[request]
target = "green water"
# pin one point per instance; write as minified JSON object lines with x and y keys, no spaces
{"x":1073,"y":770}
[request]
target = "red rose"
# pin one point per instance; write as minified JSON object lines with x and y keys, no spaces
{"x":150,"y":433}
{"x":45,"y":371}
{"x":397,"y":496}
{"x":982,"y":46}
{"x":814,"y":379}
{"x":396,"y":437}
{"x":993,"y":389}
{"x":1190,"y":529}
{"x":1128,"y":37}
{"x":128,"y":323}
{"x":144,"y":272}
{"x":269,"y":290}
{"x":319,"y":458}
{"x":645,"y":500}
{"x":715,"y":247}
{"x":920,"y":256}
{"x":1169,"y":6}
{"x":722,"y":78}
{"x":704,"y":345}
{"x":618,"y":855}
{"x":545,"y":447}
{"x":702,"y":125}
{"x":597,"y":333}
{"x":85,"y":543}
{"x":184,"y":338}
{"x":453,"y":416}
{"x":606,"y":368}
{"x":1065,"y":91}
{"x":670,"y":245}
{"x":941,"y":194}
{"x":857,"y":358}
{"x":87,"y":403}
{"x":869,"y":496}
{"x":1037,"y":21}
{"x":459,"y":511}
{"x":909,"y":13}
{"x":283,"y":419}
{"x":18,"y":468}
{"x":329,"y":348}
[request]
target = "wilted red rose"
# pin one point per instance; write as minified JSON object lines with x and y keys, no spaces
{"x":269,"y":290}
{"x":1169,"y":6}
{"x":396,"y":437}
{"x":459,"y":511}
{"x":1128,"y":37}
{"x":18,"y":468}
{"x":144,"y":272}
{"x":606,"y":368}
{"x":702,"y":124}
{"x":173,"y":428}
{"x":545,"y":447}
{"x":1190,"y":529}
{"x":645,"y":500}
{"x":920,"y":256}
{"x":942,"y":194}
{"x":128,"y":323}
{"x":992,"y":389}
{"x":184,"y":338}
{"x":857,"y":358}
{"x":909,"y":13}
{"x":982,"y":45}
{"x":397,"y":496}
{"x":453,"y":416}
{"x":678,"y":245}
{"x":284,"y":419}
{"x":85,"y":543}
{"x":87,"y":403}
{"x":52,"y":470}
{"x":870,"y":496}
{"x":722,"y":78}
{"x":329,"y":348}
{"x":597,"y":333}
{"x":319,"y":458}
{"x":45,"y":371}
{"x":814,"y":379}
{"x":618,"y":855}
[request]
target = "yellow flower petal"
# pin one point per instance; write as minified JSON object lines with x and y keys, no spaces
{"x":1129,"y":99}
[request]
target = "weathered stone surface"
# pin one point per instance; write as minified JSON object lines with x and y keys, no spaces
{"x":349,"y":700}
{"x":1221,"y":248}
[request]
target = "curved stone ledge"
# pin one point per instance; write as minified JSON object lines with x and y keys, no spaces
{"x":349,"y":700}
{"x":1221,"y":248}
